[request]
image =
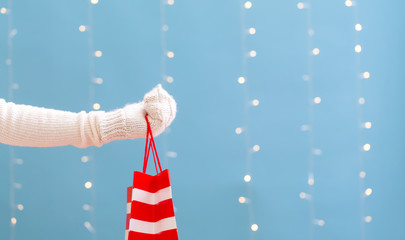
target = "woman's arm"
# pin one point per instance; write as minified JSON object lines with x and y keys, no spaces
{"x":30,"y":126}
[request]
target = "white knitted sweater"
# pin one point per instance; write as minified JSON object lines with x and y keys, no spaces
{"x":30,"y":126}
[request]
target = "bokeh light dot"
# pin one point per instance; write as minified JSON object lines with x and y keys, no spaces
{"x":316,"y":51}
{"x":362,"y":174}
{"x":252,"y":31}
{"x":241,"y":80}
{"x":367,"y":124}
{"x":247,"y":178}
{"x":13,"y":220}
{"x":238,"y":130}
{"x":82,"y":28}
{"x":357,"y":48}
{"x":366,"y":147}
{"x":88,"y":185}
{"x":368,"y":191}
{"x":98,"y":53}
{"x":252,"y":53}
{"x":255,"y":102}
{"x":348,"y":3}
{"x":96,"y":106}
{"x":317,"y":100}
{"x":358,"y":27}
{"x":254,"y":227}
{"x":300,"y":5}
{"x":170,"y":54}
{"x":242,"y":199}
{"x":366,"y":75}
{"x":248,"y":4}
{"x":362,"y":100}
{"x":94,"y":1}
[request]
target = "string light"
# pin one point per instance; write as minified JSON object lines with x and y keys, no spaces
{"x":366,"y":75}
{"x":367,"y":124}
{"x":3,"y":10}
{"x":82,"y":28}
{"x":357,"y":48}
{"x":254,"y":227}
{"x":362,"y":100}
{"x":85,"y":159}
{"x":252,"y":31}
{"x":242,"y":200}
{"x":362,"y":174}
{"x":358,"y":27}
{"x":88,"y":185}
{"x":248,"y":4}
{"x":255,"y":102}
{"x":348,"y":3}
{"x":247,"y":178}
{"x":368,"y":191}
{"x":241,"y":80}
{"x":94,"y":1}
{"x":315,"y":51}
{"x":169,"y":79}
{"x":13,"y":220}
{"x":170,"y":2}
{"x":238,"y":130}
{"x":252,"y":53}
{"x":317,"y":100}
{"x":300,"y":5}
{"x":98,"y":80}
{"x":368,"y":219}
{"x":256,"y":148}
{"x":366,"y":147}
{"x":96,"y":106}
{"x":98,"y":53}
{"x":170,"y":54}
{"x":20,"y":207}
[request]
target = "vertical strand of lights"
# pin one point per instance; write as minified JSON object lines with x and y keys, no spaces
{"x":93,"y":105}
{"x":165,"y":77}
{"x":363,"y":147}
{"x":313,"y":100}
{"x":11,"y":32}
{"x":243,"y":82}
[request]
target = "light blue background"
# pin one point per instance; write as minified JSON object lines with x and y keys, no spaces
{"x":51,"y":66}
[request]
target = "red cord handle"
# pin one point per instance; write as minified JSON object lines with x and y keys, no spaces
{"x":148,"y":148}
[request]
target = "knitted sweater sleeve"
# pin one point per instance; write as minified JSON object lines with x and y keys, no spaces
{"x":30,"y":126}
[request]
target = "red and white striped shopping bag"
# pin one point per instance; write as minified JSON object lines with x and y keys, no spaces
{"x":150,"y":212}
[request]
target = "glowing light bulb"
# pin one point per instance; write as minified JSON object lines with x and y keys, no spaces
{"x":98,"y":53}
{"x":315,"y":51}
{"x":3,"y":10}
{"x":252,"y":53}
{"x":300,"y":5}
{"x":256,"y":148}
{"x":366,"y":147}
{"x":238,"y":130}
{"x":254,"y":227}
{"x":20,"y":207}
{"x":241,"y":80}
{"x":362,"y":100}
{"x":366,"y":75}
{"x":85,"y":159}
{"x":303,"y":195}
{"x":96,"y":106}
{"x":362,"y":174}
{"x":367,"y":124}
{"x":242,"y":199}
{"x":248,"y":4}
{"x":169,"y":79}
{"x":368,"y":219}
{"x":88,"y":185}
{"x":252,"y":31}
{"x":255,"y":102}
{"x":358,"y":27}
{"x":170,"y":2}
{"x":247,"y":178}
{"x":170,"y":54}
{"x":13,"y":220}
{"x":348,"y":3}
{"x":357,"y":48}
{"x":98,"y":80}
{"x":368,"y":191}
{"x":82,"y":28}
{"x":311,"y":181}
{"x":317,"y":100}
{"x":94,"y":1}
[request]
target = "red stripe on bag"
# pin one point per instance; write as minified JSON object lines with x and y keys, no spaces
{"x":142,"y":211}
{"x":150,"y":183}
{"x":166,"y":235}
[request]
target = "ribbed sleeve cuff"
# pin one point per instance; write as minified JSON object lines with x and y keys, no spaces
{"x":113,"y":126}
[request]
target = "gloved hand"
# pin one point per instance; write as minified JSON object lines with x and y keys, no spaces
{"x":161,"y":109}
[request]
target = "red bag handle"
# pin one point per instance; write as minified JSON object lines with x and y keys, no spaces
{"x":147,"y":148}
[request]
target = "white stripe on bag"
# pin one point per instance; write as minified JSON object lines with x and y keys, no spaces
{"x":151,"y":198}
{"x":129,"y":207}
{"x":152,"y":228}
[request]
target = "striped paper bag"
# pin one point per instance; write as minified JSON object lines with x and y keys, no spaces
{"x":150,"y":212}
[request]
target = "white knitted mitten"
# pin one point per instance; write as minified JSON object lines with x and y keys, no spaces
{"x":161,"y":109}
